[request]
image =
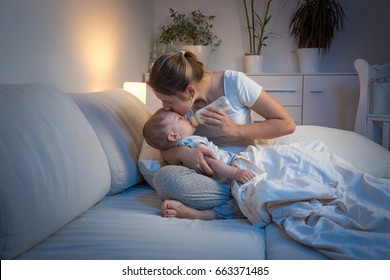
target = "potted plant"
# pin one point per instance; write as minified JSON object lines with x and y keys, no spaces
{"x":193,"y":31}
{"x":257,"y":36}
{"x":313,"y":25}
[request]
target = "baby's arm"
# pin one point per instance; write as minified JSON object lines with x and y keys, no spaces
{"x":222,"y":169}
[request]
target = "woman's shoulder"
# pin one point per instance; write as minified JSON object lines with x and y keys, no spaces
{"x":233,"y":74}
{"x":241,"y":89}
{"x":235,"y":78}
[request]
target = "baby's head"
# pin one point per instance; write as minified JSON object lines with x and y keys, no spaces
{"x":165,"y":128}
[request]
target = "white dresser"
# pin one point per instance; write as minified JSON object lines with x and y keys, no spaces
{"x":326,"y":99}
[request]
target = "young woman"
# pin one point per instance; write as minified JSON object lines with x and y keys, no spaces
{"x":184,"y":86}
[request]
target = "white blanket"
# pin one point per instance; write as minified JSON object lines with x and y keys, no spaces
{"x":319,"y":199}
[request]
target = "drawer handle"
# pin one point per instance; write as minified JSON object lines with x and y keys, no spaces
{"x":280,"y":90}
{"x":316,"y":91}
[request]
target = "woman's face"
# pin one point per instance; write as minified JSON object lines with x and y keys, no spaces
{"x":175,"y":103}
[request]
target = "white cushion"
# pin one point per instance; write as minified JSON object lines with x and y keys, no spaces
{"x":117,"y":118}
{"x":53,"y":167}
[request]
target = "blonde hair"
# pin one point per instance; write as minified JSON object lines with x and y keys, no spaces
{"x":172,"y":73}
{"x":156,"y":131}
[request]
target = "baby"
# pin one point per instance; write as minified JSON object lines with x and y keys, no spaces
{"x":166,"y":129}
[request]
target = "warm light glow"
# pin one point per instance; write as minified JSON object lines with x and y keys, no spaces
{"x":137,"y":89}
{"x":96,"y":38}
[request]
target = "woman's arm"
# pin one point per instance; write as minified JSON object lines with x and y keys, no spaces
{"x":278,"y":120}
{"x":193,"y":158}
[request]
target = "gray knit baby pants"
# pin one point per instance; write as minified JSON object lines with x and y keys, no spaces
{"x":196,"y":190}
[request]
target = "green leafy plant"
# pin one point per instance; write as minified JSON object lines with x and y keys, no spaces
{"x":315,"y":23}
{"x":256,"y":26}
{"x":194,"y":29}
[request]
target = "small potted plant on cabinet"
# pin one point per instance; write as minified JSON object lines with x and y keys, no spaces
{"x":193,"y":32}
{"x":257,"y":36}
{"x":313,"y":25}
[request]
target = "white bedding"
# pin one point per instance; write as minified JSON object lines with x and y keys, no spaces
{"x":319,"y":199}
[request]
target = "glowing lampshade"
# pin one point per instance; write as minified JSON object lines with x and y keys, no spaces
{"x":136,"y":88}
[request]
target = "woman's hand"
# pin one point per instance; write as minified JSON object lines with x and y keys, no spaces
{"x":278,"y":120}
{"x":219,"y":120}
{"x":194,"y":158}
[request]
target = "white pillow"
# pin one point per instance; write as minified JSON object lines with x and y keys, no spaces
{"x":149,"y":162}
{"x":360,"y":151}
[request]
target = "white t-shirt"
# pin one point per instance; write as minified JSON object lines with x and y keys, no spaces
{"x":242,"y":93}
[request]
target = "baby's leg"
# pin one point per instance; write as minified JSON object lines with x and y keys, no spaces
{"x":176,"y":209}
{"x":193,"y":190}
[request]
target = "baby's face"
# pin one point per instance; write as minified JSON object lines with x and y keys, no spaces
{"x":179,"y":124}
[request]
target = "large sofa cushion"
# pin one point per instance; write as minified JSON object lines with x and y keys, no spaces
{"x":53,"y":167}
{"x":117,"y":118}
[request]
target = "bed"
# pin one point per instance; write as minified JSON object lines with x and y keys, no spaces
{"x":94,"y":199}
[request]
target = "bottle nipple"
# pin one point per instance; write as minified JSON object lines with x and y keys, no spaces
{"x":191,"y":117}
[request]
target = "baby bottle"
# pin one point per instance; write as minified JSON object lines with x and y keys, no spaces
{"x":221,"y":103}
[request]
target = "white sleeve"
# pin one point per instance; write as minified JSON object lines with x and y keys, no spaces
{"x":248,"y":90}
{"x":192,"y":141}
{"x":240,"y":89}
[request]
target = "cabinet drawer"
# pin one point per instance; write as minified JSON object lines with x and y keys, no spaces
{"x":330,"y":100}
{"x":285,"y":89}
{"x":295,"y":111}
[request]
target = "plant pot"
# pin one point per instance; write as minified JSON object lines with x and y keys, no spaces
{"x":309,"y":60}
{"x":253,"y":64}
{"x":202,"y":52}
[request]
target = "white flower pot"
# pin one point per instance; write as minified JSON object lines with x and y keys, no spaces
{"x":253,"y":64}
{"x":309,"y":60}
{"x":202,"y":52}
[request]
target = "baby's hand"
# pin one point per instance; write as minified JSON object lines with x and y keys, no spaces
{"x":243,"y":175}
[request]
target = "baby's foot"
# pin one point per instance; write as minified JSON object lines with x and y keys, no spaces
{"x":176,"y":209}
